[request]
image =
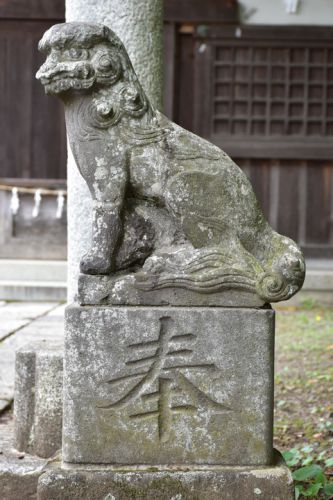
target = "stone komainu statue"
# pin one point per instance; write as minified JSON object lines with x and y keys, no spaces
{"x":169,"y":208}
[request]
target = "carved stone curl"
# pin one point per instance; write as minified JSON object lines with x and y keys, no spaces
{"x":171,"y":211}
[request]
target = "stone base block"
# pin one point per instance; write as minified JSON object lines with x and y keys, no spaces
{"x":19,"y":472}
{"x":38,"y":398}
{"x":215,"y":483}
{"x":18,"y":479}
{"x":168,"y":385}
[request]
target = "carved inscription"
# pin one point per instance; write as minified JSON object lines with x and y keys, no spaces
{"x":156,"y":368}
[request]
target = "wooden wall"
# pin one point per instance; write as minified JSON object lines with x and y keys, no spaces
{"x":297,"y":198}
{"x":32,"y":130}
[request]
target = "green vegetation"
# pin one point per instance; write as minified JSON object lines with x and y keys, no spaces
{"x":304,"y":397}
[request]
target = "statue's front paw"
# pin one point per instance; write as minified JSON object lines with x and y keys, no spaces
{"x":93,"y":264}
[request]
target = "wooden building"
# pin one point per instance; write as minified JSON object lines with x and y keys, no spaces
{"x":262,"y":92}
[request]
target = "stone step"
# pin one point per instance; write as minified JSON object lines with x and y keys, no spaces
{"x":319,"y":279}
{"x":33,"y":290}
{"x":33,"y":270}
{"x":33,"y":280}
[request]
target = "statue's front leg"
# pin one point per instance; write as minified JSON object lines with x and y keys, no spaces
{"x":108,"y":191}
{"x":106,"y":227}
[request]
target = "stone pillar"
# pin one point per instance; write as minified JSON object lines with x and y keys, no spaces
{"x":38,"y":398}
{"x":139,"y":24}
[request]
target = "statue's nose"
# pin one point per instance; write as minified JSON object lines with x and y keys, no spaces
{"x":45,"y":71}
{"x":49,"y":70}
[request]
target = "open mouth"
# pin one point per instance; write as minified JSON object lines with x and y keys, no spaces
{"x":62,"y":82}
{"x":47,"y":80}
{"x":81,"y":76}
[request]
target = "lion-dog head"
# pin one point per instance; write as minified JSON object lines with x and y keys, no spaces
{"x":83,"y":57}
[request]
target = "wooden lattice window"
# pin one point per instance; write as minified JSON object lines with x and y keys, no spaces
{"x":273,"y":91}
{"x":272,"y":86}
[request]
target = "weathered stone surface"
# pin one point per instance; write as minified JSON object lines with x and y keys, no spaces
{"x":38,"y":398}
{"x":168,"y":385}
{"x":19,"y":477}
{"x":48,"y":401}
{"x":139,"y":23}
{"x":19,"y":472}
{"x":215,"y":483}
{"x":121,"y":290}
{"x":167,"y":205}
{"x":24,"y":400}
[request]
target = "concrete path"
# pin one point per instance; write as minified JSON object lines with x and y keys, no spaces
{"x":21,"y":323}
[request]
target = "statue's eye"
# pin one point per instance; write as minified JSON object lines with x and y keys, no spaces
{"x":75,"y":53}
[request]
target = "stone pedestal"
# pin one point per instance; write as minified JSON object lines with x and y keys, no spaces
{"x":168,"y":385}
{"x":135,"y":483}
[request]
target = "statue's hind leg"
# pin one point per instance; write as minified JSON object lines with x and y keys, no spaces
{"x":219,"y":211}
{"x":213,"y":252}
